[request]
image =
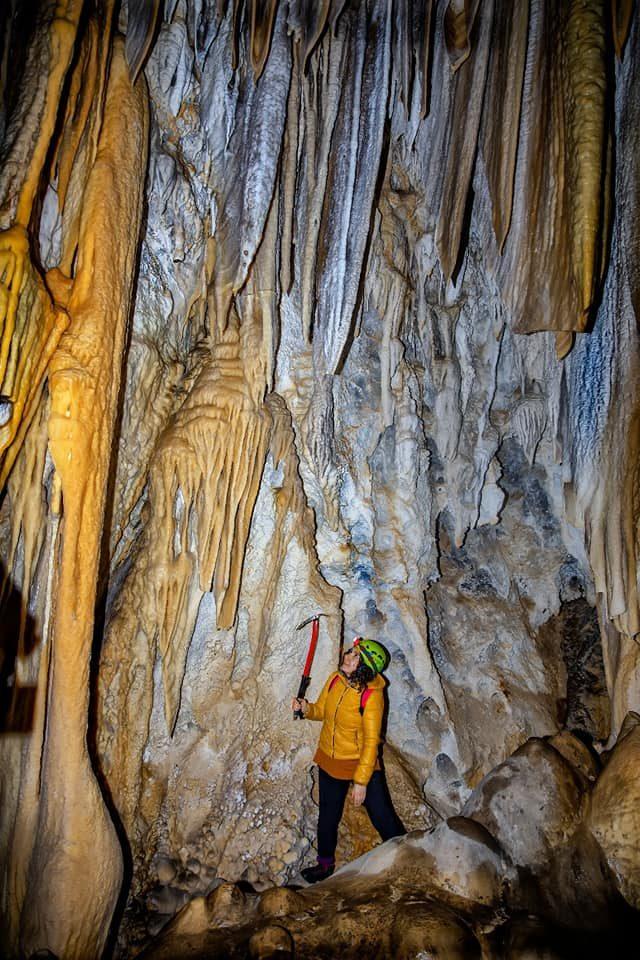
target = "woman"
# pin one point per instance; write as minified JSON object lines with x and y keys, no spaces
{"x":350,"y":705}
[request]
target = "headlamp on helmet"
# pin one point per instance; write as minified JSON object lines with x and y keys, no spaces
{"x":372,"y":653}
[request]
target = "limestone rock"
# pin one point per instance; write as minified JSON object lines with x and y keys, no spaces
{"x":614,"y":815}
{"x":226,"y":904}
{"x":280,"y":901}
{"x":166,"y":900}
{"x":464,"y":860}
{"x":165,"y":869}
{"x":193,"y":919}
{"x":271,"y":943}
{"x":529,"y":939}
{"x":575,"y":752}
{"x":353,"y":213}
{"x":531,"y":802}
{"x":430,"y":930}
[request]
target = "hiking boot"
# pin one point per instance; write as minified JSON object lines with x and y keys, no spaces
{"x":319,"y":872}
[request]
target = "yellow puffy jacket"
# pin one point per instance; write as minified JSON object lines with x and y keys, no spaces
{"x":346,"y":733}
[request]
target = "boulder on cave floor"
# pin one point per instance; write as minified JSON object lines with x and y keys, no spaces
{"x":518,"y":876}
{"x":533,"y":802}
{"x":614,"y":814}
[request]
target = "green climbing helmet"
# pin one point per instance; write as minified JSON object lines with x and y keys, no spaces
{"x":372,"y":653}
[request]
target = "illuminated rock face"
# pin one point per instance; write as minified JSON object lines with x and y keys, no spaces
{"x":370,"y":232}
{"x":510,"y":877}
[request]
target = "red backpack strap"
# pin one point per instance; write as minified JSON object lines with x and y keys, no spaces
{"x":333,"y":682}
{"x":364,"y":696}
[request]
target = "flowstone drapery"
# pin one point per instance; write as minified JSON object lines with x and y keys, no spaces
{"x":304,"y":306}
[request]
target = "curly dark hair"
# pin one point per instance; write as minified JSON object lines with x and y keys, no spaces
{"x":361,"y":676}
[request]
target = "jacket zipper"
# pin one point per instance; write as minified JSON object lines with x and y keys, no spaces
{"x":335,"y":714}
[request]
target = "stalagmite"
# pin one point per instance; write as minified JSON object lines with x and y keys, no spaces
{"x":84,"y":376}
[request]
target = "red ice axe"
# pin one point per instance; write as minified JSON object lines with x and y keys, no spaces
{"x":306,"y":673}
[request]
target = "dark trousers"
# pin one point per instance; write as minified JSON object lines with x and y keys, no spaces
{"x":377,"y":803}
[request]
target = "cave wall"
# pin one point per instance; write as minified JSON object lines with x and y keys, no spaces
{"x":378,"y":349}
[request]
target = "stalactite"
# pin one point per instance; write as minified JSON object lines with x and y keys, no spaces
{"x":560,"y":173}
{"x":321,"y":102}
{"x":621,"y":11}
{"x":31,"y":323}
{"x":32,"y":124}
{"x":528,"y":424}
{"x":36,"y":314}
{"x":501,"y":117}
{"x":245,"y":129}
{"x":392,"y":300}
{"x":458,"y":26}
{"x":564,"y":342}
{"x":34,"y":323}
{"x":461,"y":150}
{"x":540,"y":296}
{"x":263,"y":15}
{"x":289,"y":168}
{"x":204,"y":482}
{"x":423,"y":28}
{"x":403,"y":53}
{"x":80,"y":103}
{"x":352,"y":179}
{"x":258,"y":308}
{"x":141,"y":26}
{"x":311,"y":16}
{"x":584,"y":98}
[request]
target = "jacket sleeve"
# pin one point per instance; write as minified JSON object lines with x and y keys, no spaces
{"x":315,"y":711}
{"x":371,"y":724}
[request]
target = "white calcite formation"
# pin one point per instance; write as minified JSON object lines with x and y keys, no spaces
{"x":351,"y":329}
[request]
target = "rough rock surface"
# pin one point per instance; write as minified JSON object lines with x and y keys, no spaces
{"x":613,"y":815}
{"x":537,"y":889}
{"x":369,"y":346}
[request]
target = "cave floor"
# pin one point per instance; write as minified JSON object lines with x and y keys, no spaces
{"x":404,"y":918}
